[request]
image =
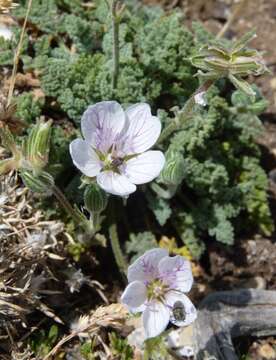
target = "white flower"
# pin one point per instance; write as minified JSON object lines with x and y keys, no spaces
{"x":115,"y":144}
{"x":157,"y":283}
{"x":200,"y":98}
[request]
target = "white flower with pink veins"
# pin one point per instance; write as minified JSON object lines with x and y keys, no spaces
{"x":114,"y":146}
{"x":157,"y":283}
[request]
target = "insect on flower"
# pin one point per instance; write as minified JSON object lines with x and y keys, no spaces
{"x":178,"y":311}
{"x":115,"y":146}
{"x":157,"y":283}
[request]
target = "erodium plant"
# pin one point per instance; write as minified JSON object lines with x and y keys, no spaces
{"x":132,"y":78}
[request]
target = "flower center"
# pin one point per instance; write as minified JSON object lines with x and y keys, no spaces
{"x":156,"y":290}
{"x":112,"y":162}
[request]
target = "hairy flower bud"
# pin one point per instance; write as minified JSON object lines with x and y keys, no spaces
{"x":37,"y":145}
{"x":95,"y":199}
{"x":41,"y":182}
{"x":173,"y":171}
{"x":217,"y":61}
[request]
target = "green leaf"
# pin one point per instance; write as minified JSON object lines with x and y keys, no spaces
{"x":161,"y":209}
{"x":53,"y":333}
{"x":242,"y":85}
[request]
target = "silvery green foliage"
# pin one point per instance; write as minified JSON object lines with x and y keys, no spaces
{"x":139,"y":243}
{"x":216,"y":154}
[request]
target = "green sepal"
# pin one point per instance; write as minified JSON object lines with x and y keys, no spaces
{"x":243,"y":41}
{"x":95,"y":199}
{"x":37,"y":145}
{"x":242,"y":85}
{"x":41,"y":182}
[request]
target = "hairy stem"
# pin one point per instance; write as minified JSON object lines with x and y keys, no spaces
{"x":116,"y":52}
{"x":184,"y":113}
{"x":77,"y":217}
{"x":96,"y":221}
{"x":17,"y":54}
{"x":117,"y":251}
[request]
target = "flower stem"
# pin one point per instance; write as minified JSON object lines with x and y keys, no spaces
{"x":116,"y":52}
{"x":76,"y":216}
{"x":96,"y":221}
{"x":117,"y":251}
{"x":17,"y":54}
{"x":184,"y":113}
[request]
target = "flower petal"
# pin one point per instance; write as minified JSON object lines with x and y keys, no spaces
{"x":102,"y":124}
{"x":143,"y":130}
{"x":155,"y":319}
{"x":134,"y":296}
{"x":188,"y":309}
{"x":85,"y":158}
{"x":145,"y":167}
{"x":145,"y":268}
{"x":115,"y":184}
{"x":176,"y":271}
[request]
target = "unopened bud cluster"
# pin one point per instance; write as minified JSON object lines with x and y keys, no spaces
{"x":238,"y":61}
{"x":31,"y":158}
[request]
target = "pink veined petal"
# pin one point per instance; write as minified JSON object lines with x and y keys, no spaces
{"x":145,"y":167}
{"x":143,"y":130}
{"x":145,"y":268}
{"x":115,"y":184}
{"x":176,"y":271}
{"x":190,"y":313}
{"x":155,"y":318}
{"x":85,"y":158}
{"x":134,"y":296}
{"x":102,"y":124}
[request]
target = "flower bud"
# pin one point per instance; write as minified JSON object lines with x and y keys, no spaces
{"x":95,"y":199}
{"x":216,"y":61}
{"x":173,"y":171}
{"x":41,"y":182}
{"x":37,"y":145}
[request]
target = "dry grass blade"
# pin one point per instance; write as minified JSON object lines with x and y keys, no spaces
{"x":237,"y":11}
{"x":113,"y":315}
{"x":17,"y":54}
{"x":6,"y":6}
